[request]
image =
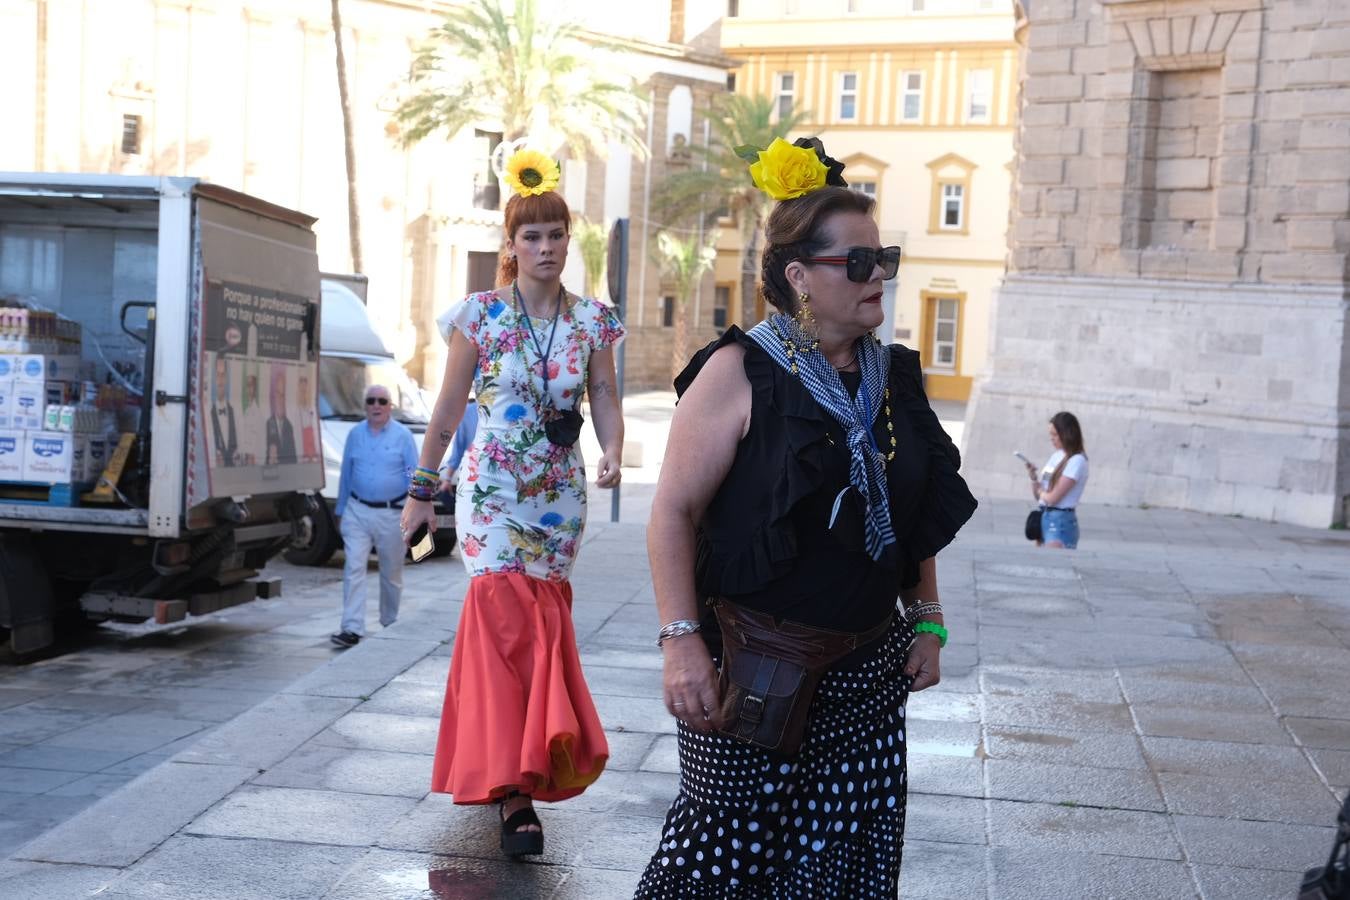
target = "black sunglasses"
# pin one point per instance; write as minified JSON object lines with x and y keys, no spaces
{"x":860,"y":262}
{"x":371,"y":401}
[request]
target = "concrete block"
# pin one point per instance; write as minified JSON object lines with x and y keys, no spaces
{"x":1307,"y":476}
{"x":1327,"y":42}
{"x":1055,"y":87}
{"x":1041,"y":171}
{"x":1312,"y":234}
{"x":1040,"y":114}
{"x":1179,"y":174}
{"x":1050,"y":62}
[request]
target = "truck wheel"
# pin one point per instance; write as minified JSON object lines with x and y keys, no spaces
{"x":445,"y":542}
{"x":27,"y":606}
{"x":318,"y":539}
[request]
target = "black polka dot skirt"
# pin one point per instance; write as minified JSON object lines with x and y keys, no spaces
{"x":829,"y":822}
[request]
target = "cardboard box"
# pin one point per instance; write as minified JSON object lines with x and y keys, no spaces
{"x":39,"y":367}
{"x":28,"y":405}
{"x":6,"y":403}
{"x":11,"y":455}
{"x":51,"y":457}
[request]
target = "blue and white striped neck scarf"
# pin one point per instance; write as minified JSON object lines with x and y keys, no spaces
{"x":867,"y":464}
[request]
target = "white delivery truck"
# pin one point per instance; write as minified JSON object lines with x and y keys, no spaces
{"x":184,"y":367}
{"x":355,"y":357}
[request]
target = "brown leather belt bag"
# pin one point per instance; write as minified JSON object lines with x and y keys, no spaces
{"x":770,"y":671}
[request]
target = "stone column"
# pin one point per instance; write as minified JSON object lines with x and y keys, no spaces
{"x":1178,"y":257}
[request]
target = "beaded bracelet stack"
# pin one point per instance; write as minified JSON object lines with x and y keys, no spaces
{"x":423,"y":484}
{"x":918,"y":611}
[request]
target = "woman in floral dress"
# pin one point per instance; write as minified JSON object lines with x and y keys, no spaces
{"x":518,"y":721}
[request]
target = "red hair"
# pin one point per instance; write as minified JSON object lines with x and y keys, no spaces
{"x":532,"y":210}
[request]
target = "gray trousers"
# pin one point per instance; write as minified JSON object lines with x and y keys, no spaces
{"x":364,"y":528}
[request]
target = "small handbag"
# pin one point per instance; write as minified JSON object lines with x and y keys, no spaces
{"x":564,"y":427}
{"x":770,"y":671}
{"x":1033,"y":526}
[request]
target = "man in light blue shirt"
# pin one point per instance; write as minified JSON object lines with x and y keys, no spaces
{"x":377,"y":461}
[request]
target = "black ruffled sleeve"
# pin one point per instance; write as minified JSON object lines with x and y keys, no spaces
{"x":944,"y":503}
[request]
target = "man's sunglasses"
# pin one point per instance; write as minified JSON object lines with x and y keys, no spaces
{"x":860,"y":262}
{"x":371,"y":401}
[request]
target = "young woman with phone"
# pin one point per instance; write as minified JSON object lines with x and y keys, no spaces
{"x":1059,"y":484}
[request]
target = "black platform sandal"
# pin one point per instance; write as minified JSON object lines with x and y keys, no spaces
{"x":514,"y":841}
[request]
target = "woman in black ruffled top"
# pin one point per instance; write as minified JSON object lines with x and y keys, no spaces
{"x":805,"y":477}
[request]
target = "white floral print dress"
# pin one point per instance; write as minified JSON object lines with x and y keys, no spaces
{"x":521,"y":502}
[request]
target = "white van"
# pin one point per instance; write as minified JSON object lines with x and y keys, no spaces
{"x":352,"y":357}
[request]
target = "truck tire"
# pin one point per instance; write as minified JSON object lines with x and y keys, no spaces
{"x":27,"y":605}
{"x":319,"y":539}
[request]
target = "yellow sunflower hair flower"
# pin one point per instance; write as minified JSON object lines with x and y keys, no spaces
{"x":530,"y":173}
{"x":784,"y":171}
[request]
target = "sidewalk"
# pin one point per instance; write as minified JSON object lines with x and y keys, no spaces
{"x":1160,"y":714}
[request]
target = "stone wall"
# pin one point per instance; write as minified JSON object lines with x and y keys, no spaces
{"x":1178,"y":256}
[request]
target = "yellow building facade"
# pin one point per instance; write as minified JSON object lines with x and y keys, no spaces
{"x":917,"y":98}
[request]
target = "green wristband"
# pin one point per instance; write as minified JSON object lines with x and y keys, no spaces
{"x":932,"y":628}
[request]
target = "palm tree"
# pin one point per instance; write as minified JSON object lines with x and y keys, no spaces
{"x":683,"y":262}
{"x":534,"y":75}
{"x":593,"y":243}
{"x":349,"y":143}
{"x":718,"y":181}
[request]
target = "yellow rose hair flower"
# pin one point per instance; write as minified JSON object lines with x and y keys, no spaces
{"x":530,"y":173}
{"x":784,"y":171}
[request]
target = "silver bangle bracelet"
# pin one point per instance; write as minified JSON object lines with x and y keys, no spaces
{"x":678,"y":628}
{"x":922,"y":609}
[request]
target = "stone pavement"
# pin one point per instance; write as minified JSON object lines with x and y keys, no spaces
{"x":1162,"y":713}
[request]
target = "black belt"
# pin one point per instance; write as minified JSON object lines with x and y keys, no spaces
{"x":1059,"y":508}
{"x":380,"y":504}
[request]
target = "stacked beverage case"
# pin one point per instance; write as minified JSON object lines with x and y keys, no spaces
{"x":55,"y":427}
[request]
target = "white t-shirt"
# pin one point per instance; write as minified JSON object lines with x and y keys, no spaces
{"x":1076,"y":468}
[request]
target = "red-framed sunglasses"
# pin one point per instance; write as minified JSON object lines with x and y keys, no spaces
{"x":860,"y":262}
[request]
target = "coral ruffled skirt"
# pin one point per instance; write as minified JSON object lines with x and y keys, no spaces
{"x":518,"y":715}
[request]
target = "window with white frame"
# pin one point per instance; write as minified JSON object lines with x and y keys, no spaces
{"x":911,"y":96}
{"x":786,"y":94}
{"x":946,"y":318}
{"x":953,"y":207}
{"x":865,"y":187}
{"x":848,"y":96}
{"x":979,"y":95}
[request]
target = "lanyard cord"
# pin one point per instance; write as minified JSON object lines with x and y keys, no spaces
{"x":544,"y":352}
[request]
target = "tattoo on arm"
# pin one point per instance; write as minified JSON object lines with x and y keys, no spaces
{"x":445,"y":438}
{"x":603,"y":389}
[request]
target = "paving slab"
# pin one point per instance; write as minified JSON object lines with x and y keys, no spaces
{"x":1074,"y":785}
{"x":121,"y":828}
{"x":1023,"y":873}
{"x":189,"y":867}
{"x":1306,"y":803}
{"x":47,"y":881}
{"x":1268,"y":845}
{"x":308,"y":816}
{"x":1061,"y":827}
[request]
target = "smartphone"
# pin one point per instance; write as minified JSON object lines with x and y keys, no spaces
{"x":1022,"y":456}
{"x":422,"y":543}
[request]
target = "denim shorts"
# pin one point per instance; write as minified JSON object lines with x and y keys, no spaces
{"x":1060,"y":525}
